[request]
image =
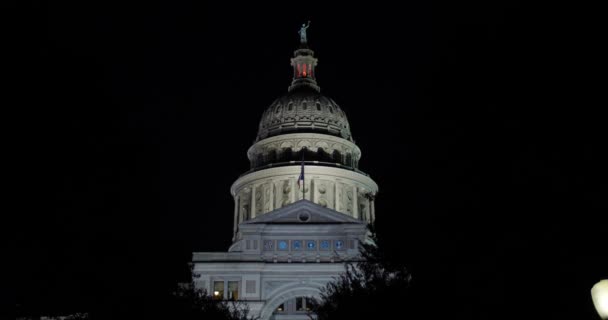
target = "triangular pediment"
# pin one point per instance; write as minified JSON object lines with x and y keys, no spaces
{"x":302,"y":212}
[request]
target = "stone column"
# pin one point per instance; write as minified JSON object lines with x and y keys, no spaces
{"x":355,"y":202}
{"x":236,"y":212}
{"x":253,"y":207}
{"x":337,"y":197}
{"x":372,"y":208}
{"x":272,"y":191}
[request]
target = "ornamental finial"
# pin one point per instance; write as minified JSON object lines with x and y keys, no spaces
{"x":302,"y":32}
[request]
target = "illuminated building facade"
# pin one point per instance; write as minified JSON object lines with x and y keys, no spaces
{"x":300,"y":211}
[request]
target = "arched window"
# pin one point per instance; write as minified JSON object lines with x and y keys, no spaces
{"x":348,"y":160}
{"x":322,"y":155}
{"x":287,"y":154}
{"x":337,"y":156}
{"x":272,"y":156}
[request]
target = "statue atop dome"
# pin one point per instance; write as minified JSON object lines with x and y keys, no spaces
{"x":302,"y":32}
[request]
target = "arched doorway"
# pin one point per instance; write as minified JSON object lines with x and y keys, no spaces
{"x":298,"y":308}
{"x":284,"y":304}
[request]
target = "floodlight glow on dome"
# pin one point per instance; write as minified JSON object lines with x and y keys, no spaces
{"x":599,"y":294}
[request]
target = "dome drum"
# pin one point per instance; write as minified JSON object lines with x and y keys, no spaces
{"x":316,"y":148}
{"x":346,"y":191}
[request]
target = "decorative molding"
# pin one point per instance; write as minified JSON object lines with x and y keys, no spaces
{"x":297,"y":141}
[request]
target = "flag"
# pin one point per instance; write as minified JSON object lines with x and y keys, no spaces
{"x":301,"y":178}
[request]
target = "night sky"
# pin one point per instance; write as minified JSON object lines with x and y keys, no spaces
{"x":479,"y":122}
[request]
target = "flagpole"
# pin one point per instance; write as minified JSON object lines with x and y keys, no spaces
{"x":303,"y":177}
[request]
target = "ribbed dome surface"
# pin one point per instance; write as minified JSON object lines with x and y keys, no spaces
{"x":304,"y":110}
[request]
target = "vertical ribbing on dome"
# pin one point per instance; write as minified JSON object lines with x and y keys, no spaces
{"x":304,"y":64}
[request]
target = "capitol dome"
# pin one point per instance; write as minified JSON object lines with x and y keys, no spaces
{"x":304,"y":124}
{"x":303,"y":150}
{"x":304,"y":109}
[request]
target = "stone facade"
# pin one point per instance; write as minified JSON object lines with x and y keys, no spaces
{"x":288,"y":253}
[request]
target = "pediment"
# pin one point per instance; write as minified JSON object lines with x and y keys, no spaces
{"x":304,"y":212}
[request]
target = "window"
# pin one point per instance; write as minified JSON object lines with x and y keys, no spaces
{"x":310,"y":244}
{"x":233,"y":290}
{"x":324,"y":245}
{"x":218,"y":290}
{"x":296,"y":244}
{"x":250,"y":286}
{"x":303,"y":304}
{"x":299,"y":305}
{"x":339,"y":244}
{"x":268,"y":245}
{"x":282,"y":245}
{"x":308,"y":303}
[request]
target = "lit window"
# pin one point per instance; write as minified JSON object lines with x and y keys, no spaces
{"x":218,"y":290}
{"x":310,"y":244}
{"x":339,"y":244}
{"x":233,"y":290}
{"x":296,"y":244}
{"x":303,"y":304}
{"x":325,"y":244}
{"x":223,"y":289}
{"x":282,"y":245}
{"x":308,"y":304}
{"x":298,"y":305}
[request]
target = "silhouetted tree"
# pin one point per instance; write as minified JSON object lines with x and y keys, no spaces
{"x":189,"y":303}
{"x":372,"y":286}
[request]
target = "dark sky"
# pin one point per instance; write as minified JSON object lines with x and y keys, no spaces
{"x":480,"y":123}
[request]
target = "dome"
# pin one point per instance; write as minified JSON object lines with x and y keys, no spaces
{"x":304,"y":109}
